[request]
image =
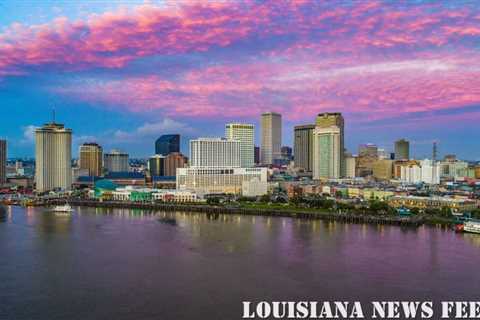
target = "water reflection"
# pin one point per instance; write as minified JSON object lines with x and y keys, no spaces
{"x":137,"y":264}
{"x":51,"y":223}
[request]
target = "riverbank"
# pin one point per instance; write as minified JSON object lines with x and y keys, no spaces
{"x":320,"y":214}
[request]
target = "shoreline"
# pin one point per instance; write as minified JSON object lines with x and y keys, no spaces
{"x":348,"y":217}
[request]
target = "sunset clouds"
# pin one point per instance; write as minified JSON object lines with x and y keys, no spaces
{"x":375,"y":61}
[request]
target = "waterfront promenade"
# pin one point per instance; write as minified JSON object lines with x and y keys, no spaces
{"x":347,"y":217}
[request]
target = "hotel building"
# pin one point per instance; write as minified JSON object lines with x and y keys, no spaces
{"x":53,"y":154}
{"x":327,"y":153}
{"x":245,"y":133}
{"x":220,"y":180}
{"x":215,"y":152}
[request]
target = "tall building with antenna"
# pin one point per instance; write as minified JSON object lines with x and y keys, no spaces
{"x":53,"y":155}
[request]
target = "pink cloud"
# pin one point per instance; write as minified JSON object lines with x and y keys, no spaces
{"x":113,"y":39}
{"x":299,"y":89}
{"x":373,"y":58}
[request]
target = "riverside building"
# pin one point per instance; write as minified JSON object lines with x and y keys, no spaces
{"x":116,"y":161}
{"x":228,"y":180}
{"x":328,"y":146}
{"x":53,"y":154}
{"x":245,"y":133}
{"x":167,"y":144}
{"x":402,"y":149}
{"x":215,"y":152}
{"x":271,"y":137}
{"x":303,"y":147}
{"x":91,"y":158}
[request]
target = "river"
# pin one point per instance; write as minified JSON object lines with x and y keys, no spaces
{"x":130,"y":264}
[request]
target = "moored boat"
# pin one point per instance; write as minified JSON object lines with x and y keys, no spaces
{"x":472,"y":226}
{"x":63,"y":209}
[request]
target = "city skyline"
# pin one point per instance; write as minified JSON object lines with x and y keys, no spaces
{"x":379,"y":63}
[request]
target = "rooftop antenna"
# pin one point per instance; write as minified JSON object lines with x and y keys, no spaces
{"x":53,"y":115}
{"x":434,"y":153}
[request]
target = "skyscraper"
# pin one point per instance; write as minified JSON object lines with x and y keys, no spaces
{"x":271,"y":137}
{"x":402,"y":149}
{"x":245,"y":133}
{"x":214,"y":152}
{"x":327,"y":152}
{"x":174,"y":161}
{"x":303,"y":147}
{"x":350,"y":164}
{"x":156,"y":165}
{"x":116,"y":161}
{"x":91,"y":158}
{"x":3,"y":161}
{"x":53,"y":155}
{"x":328,"y":146}
{"x":167,"y":143}
{"x":257,"y":155}
{"x":286,"y":153}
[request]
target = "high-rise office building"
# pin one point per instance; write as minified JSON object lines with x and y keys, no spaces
{"x":271,"y":137}
{"x":3,"y":161}
{"x":116,"y":161}
{"x":402,"y":149}
{"x":303,"y":147}
{"x":53,"y":155}
{"x":174,"y":161}
{"x":382,"y":169}
{"x":286,"y":153}
{"x":350,"y":164}
{"x":369,"y":149}
{"x":167,"y":143}
{"x":327,"y":152}
{"x":215,"y":152}
{"x":257,"y":155}
{"x":156,"y":165}
{"x":245,"y":133}
{"x":91,"y":159}
{"x":328,"y":146}
{"x":367,"y":156}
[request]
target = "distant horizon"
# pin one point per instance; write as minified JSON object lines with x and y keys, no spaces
{"x":393,"y":69}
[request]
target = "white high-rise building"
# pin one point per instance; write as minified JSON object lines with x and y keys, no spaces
{"x":425,"y":171}
{"x":270,"y":149}
{"x":327,"y":153}
{"x":245,"y":133}
{"x":53,"y":155}
{"x":215,"y":152}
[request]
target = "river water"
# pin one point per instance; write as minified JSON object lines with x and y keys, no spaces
{"x":130,"y":264}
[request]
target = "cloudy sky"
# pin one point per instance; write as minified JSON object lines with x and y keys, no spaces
{"x":124,"y":72}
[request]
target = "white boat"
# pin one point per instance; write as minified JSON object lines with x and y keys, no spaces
{"x":471,"y":226}
{"x":63,"y":209}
